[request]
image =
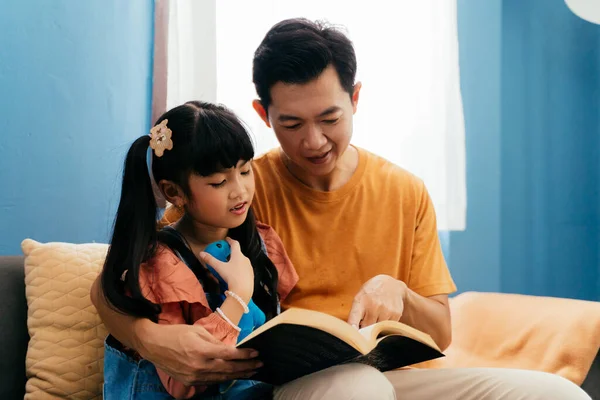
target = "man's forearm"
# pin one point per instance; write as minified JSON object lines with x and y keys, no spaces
{"x":188,"y":353}
{"x":123,"y":327}
{"x":430,"y":315}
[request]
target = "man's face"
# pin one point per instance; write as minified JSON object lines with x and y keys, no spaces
{"x":313,"y":121}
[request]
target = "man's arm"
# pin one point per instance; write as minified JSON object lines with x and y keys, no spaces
{"x":121,"y":326}
{"x":421,"y":302}
{"x":430,"y":315}
{"x":385,"y":298}
{"x":188,"y":353}
{"x":425,"y":296}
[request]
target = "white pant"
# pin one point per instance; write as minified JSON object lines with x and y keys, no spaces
{"x":360,"y":382}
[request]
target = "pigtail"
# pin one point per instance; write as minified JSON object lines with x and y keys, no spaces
{"x":134,"y":237}
{"x":265,"y":273}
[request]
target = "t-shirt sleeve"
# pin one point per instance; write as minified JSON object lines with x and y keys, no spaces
{"x":429,"y":274}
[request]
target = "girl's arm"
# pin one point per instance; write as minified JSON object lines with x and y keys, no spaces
{"x":173,"y":313}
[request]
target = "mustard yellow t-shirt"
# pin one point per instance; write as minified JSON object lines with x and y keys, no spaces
{"x":380,"y":222}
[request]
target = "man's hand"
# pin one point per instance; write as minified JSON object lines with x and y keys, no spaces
{"x":193,"y":356}
{"x":381,"y":298}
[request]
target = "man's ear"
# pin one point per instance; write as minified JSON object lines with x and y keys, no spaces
{"x":355,"y":95}
{"x":260,"y":110}
{"x":172,"y":193}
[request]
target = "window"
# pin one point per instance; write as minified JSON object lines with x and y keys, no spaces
{"x":410,"y":110}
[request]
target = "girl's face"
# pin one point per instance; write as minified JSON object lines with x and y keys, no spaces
{"x":221,"y":200}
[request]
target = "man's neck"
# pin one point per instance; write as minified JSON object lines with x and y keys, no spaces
{"x":341,"y":174}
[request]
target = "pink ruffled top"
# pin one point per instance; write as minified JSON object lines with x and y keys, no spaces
{"x":166,"y":280}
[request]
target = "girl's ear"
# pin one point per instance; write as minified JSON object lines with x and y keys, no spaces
{"x":173,"y":193}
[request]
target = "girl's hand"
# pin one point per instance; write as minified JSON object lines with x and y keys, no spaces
{"x":238,"y":272}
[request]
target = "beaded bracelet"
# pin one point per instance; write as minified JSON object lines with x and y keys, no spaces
{"x":222,"y":314}
{"x":238,"y":299}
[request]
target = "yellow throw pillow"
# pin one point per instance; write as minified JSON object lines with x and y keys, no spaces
{"x":65,"y":354}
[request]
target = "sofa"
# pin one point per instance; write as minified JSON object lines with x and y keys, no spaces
{"x":14,"y":335}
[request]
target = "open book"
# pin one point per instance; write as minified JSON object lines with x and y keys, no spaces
{"x":299,"y":342}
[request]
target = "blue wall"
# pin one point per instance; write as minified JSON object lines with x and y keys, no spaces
{"x":550,"y":151}
{"x":531,"y":85}
{"x":75,"y":85}
{"x":75,"y":79}
{"x":474,"y":255}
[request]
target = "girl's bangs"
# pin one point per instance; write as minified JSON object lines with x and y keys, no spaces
{"x":220,"y":145}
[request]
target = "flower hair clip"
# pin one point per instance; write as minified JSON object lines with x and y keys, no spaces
{"x":161,"y":138}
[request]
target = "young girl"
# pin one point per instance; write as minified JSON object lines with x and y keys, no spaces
{"x":201,"y":160}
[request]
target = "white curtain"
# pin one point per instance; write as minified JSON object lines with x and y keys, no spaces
{"x":192,"y":61}
{"x":410,"y":110}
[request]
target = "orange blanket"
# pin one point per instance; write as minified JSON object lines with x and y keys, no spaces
{"x":560,"y":336}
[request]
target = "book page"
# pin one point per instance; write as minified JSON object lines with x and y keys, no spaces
{"x":370,"y":333}
{"x":327,"y":323}
{"x":376,"y":332}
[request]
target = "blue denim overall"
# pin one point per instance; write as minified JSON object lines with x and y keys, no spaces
{"x":126,"y":378}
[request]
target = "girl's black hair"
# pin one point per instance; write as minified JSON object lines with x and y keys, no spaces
{"x":207,"y":138}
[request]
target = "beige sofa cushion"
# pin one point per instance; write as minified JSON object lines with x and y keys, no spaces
{"x":503,"y":330}
{"x":65,"y":353}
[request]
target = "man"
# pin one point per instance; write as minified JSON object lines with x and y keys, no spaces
{"x":360,"y":231}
